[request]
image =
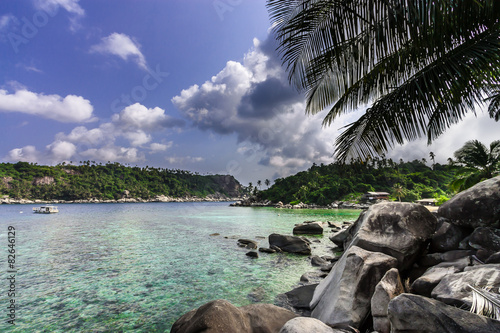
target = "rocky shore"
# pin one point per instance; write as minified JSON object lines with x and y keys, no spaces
{"x":401,"y":269}
{"x":251,"y":202}
{"x":160,"y":198}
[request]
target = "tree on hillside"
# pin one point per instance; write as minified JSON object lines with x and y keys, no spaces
{"x":478,"y":161}
{"x":420,"y":65}
{"x":432,"y":157}
{"x":399,"y":191}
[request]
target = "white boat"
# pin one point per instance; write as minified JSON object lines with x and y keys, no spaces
{"x":45,"y":209}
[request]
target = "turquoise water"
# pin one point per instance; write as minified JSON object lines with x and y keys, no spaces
{"x":138,"y":267}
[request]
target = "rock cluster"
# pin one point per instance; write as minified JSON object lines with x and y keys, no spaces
{"x":403,"y":269}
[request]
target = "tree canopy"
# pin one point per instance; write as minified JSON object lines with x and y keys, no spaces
{"x":420,"y":65}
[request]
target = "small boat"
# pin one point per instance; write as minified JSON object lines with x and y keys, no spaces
{"x":45,"y":210}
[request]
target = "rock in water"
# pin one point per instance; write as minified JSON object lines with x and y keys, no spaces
{"x":478,"y":206}
{"x":413,"y":313}
{"x":400,"y":230}
{"x":308,"y":229}
{"x":289,"y":244}
{"x":343,"y":298}
{"x":220,"y":316}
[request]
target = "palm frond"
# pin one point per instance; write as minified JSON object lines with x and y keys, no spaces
{"x":433,"y":60}
{"x":485,"y":303}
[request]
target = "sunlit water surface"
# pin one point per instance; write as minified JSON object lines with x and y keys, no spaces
{"x":138,"y":267}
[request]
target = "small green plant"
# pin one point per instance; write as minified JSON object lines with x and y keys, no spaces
{"x":441,"y":199}
{"x":295,"y":202}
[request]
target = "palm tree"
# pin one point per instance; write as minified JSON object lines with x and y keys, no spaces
{"x":259,"y":183}
{"x":399,"y":191}
{"x":478,"y":161}
{"x":420,"y":65}
{"x":432,"y":156}
{"x":267,"y":182}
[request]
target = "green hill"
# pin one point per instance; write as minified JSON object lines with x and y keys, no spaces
{"x":323,"y":184}
{"x":110,"y":181}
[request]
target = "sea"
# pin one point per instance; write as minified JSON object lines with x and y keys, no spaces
{"x":137,"y":267}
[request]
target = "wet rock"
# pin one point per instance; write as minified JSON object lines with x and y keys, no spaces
{"x":493,"y":259}
{"x":252,"y":254}
{"x":312,"y":277}
{"x":413,"y":313}
{"x":478,"y":206}
{"x":317,"y":261}
{"x":308,"y":229}
{"x":300,"y":297}
{"x":266,"y":250}
{"x":247,"y":243}
{"x":289,"y":244}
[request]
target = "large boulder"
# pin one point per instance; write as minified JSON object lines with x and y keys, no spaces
{"x":289,"y":244}
{"x":485,"y":238}
{"x":401,"y":230}
{"x":389,"y":287}
{"x":453,"y":288}
{"x":418,"y":314}
{"x":220,"y":316}
{"x":446,"y":238}
{"x":478,"y":206}
{"x":312,"y":228}
{"x":343,"y":297}
{"x":430,"y":279}
{"x":307,"y":325}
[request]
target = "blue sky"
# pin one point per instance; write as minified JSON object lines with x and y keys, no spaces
{"x":183,"y":84}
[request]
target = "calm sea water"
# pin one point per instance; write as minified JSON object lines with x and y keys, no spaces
{"x":138,"y":267}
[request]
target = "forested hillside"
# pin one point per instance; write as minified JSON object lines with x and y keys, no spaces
{"x":323,"y":184}
{"x":109,"y":181}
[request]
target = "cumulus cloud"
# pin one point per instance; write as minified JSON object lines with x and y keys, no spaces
{"x":24,"y":154}
{"x":140,"y":117}
{"x":114,"y":154}
{"x":253,"y":100}
{"x":61,"y":150}
{"x":122,"y":46}
{"x":64,"y":109}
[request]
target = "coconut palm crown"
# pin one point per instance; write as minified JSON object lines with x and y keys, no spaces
{"x":420,"y":65}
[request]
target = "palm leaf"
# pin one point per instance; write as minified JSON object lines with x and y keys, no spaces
{"x":422,"y":63}
{"x":485,"y":303}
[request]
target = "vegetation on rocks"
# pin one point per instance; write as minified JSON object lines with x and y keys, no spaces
{"x":107,"y":182}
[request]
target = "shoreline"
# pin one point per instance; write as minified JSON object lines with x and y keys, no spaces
{"x":10,"y":201}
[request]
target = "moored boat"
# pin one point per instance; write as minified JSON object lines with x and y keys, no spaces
{"x":45,"y":209}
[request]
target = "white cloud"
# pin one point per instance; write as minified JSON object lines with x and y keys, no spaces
{"x":61,"y":150}
{"x":25,"y":154}
{"x":82,"y":135}
{"x":138,"y":116}
{"x":71,"y":6}
{"x":158,"y":147}
{"x":122,"y":46}
{"x":68,"y":109}
{"x":137,"y":138}
{"x":114,"y":154}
